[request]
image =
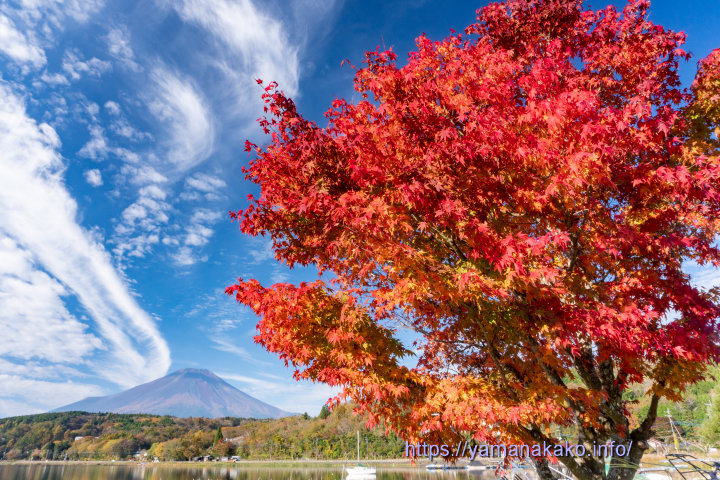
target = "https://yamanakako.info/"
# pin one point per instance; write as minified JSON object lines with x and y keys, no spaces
{"x":464,"y":449}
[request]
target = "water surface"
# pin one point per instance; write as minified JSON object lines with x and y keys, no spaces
{"x":167,"y":472}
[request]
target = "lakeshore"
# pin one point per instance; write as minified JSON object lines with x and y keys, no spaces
{"x":400,"y":463}
{"x":262,"y":470}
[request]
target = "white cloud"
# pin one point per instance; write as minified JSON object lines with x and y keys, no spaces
{"x":28,"y":294}
{"x":17,"y":46}
{"x":190,"y":131}
{"x":93,"y":177}
{"x":19,"y":393}
{"x":120,"y":125}
{"x":184,"y":257}
{"x":141,"y":174}
{"x":122,"y":128}
{"x":205,"y":183}
{"x":142,"y":222}
{"x":203,"y":187}
{"x":76,"y":68}
{"x":205,"y":215}
{"x":118,"y":40}
{"x":258,"y":40}
{"x":54,"y":79}
{"x":197,"y":234}
{"x":93,"y":109}
{"x":39,"y":369}
{"x":15,"y":408}
{"x":56,"y":13}
{"x":97,"y":147}
{"x":702,"y":276}
{"x":119,"y":44}
{"x":112,"y":107}
{"x":40,"y":216}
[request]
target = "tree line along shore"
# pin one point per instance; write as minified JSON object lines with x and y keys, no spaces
{"x":111,"y":436}
{"x":692,"y":422}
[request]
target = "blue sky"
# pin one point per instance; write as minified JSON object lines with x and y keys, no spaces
{"x":122,"y":126}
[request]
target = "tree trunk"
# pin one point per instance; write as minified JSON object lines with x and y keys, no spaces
{"x":542,"y":467}
{"x":625,"y":468}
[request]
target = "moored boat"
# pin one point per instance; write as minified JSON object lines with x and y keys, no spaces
{"x":360,"y":471}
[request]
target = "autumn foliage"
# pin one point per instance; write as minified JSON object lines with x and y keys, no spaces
{"x":501,"y":225}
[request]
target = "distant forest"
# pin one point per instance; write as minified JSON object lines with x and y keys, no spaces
{"x":105,"y":436}
{"x":691,"y":423}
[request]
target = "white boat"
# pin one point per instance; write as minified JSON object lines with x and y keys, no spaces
{"x":361,"y":470}
{"x":445,"y":466}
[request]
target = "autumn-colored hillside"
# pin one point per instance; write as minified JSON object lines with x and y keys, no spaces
{"x":97,"y":436}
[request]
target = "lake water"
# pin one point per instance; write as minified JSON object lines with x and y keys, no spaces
{"x":166,"y":472}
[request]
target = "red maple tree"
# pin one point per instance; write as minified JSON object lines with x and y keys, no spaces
{"x":519,"y":199}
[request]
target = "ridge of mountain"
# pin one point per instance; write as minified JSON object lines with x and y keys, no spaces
{"x":188,"y":392}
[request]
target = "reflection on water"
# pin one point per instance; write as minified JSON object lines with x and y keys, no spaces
{"x":141,"y":472}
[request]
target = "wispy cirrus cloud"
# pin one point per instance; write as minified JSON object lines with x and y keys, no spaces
{"x":150,"y":118}
{"x":22,"y":395}
{"x":259,"y":251}
{"x":288,"y":394}
{"x":257,"y":42}
{"x":189,"y":131}
{"x":40,"y":224}
{"x":118,"y":40}
{"x":28,"y":294}
{"x":225,"y":323}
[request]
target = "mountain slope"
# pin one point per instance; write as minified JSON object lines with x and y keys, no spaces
{"x":184,"y":393}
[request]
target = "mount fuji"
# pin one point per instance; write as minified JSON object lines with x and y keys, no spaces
{"x":184,"y":393}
